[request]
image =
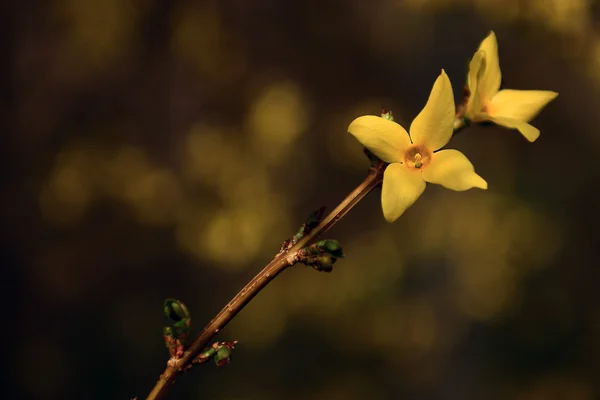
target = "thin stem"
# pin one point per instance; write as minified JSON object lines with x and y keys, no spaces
{"x":260,"y":281}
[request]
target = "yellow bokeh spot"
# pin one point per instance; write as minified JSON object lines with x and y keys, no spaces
{"x":491,"y":242}
{"x":153,"y":193}
{"x":564,"y":16}
{"x":394,"y":25}
{"x":203,"y":151}
{"x":67,"y":194}
{"x":593,"y":65}
{"x":500,"y":10}
{"x":200,"y":39}
{"x":210,"y":156}
{"x":123,"y":167}
{"x":99,"y":33}
{"x":407,"y":326}
{"x":82,"y":174}
{"x":276,"y":119}
{"x":155,"y":197}
{"x":373,"y":264}
{"x":484,"y":287}
{"x":232,"y":237}
{"x":247,"y":207}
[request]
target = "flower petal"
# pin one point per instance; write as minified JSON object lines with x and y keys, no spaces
{"x":489,"y":84}
{"x":530,"y":132}
{"x":473,"y":77}
{"x":433,"y":126}
{"x":522,"y":105}
{"x":401,"y":188}
{"x":453,"y":170}
{"x":386,"y":139}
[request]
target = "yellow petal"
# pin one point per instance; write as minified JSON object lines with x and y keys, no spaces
{"x":453,"y":170}
{"x":489,"y":84}
{"x":401,"y":188}
{"x":530,"y":132}
{"x":473,"y":77}
{"x":433,"y":126}
{"x":522,"y":105}
{"x":386,"y":139}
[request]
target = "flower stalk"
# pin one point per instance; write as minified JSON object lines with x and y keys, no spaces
{"x":282,"y":260}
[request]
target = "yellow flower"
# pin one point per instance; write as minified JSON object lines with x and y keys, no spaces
{"x":413,"y":158}
{"x":509,"y":108}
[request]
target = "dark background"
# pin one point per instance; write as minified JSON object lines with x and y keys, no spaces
{"x":166,"y":149}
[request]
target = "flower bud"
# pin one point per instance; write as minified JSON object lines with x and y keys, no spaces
{"x":387,"y":114}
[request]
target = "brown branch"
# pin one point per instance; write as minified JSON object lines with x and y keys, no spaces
{"x":260,"y":281}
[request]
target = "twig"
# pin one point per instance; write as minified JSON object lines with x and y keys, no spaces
{"x":260,"y":281}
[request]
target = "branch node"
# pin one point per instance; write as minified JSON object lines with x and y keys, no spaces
{"x":311,"y":222}
{"x":320,"y":255}
{"x":220,"y":352}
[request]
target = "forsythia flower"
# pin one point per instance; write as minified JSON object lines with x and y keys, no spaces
{"x":508,"y":108}
{"x":411,"y":157}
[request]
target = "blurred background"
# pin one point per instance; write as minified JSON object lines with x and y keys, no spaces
{"x":166,"y":149}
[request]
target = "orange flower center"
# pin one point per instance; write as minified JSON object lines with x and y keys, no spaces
{"x":417,"y":157}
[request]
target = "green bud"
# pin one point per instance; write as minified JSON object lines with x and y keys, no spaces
{"x":223,"y":356}
{"x":177,"y":316}
{"x":175,"y":310}
{"x":330,"y":246}
{"x":206,"y":355}
{"x":219,"y":351}
{"x":322,"y":262}
{"x":321,"y":255}
{"x":176,"y":334}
